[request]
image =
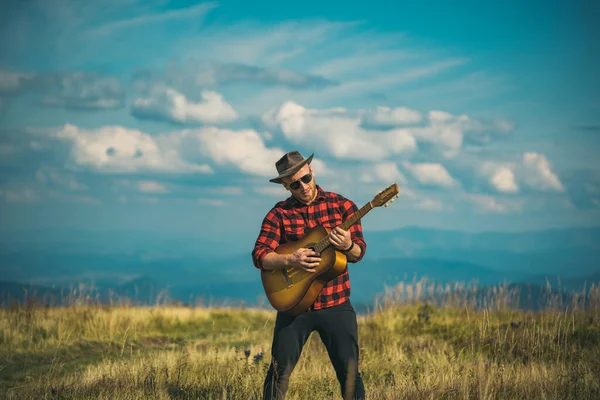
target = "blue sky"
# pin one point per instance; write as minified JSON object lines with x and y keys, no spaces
{"x":168,"y":116}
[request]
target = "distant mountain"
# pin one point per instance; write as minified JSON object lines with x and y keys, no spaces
{"x":142,"y":266}
{"x":369,"y":276}
{"x":564,"y":252}
{"x":414,"y":238}
{"x":515,"y":295}
{"x":16,"y":291}
{"x":576,"y":284}
{"x":141,"y":290}
{"x":367,"y":285}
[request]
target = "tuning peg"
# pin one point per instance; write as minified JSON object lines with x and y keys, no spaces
{"x":393,"y":200}
{"x":397,"y":196}
{"x":386,"y":204}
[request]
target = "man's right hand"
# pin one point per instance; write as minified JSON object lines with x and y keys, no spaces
{"x":304,"y":259}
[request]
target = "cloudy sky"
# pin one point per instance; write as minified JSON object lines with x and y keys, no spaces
{"x":168,"y":116}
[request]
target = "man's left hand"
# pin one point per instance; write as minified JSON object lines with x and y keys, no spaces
{"x":340,"y":238}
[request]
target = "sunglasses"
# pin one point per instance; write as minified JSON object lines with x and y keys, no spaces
{"x":296,"y":184}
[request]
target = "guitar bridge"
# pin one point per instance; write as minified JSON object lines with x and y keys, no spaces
{"x":286,"y":277}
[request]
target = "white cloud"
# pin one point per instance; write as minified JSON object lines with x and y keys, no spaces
{"x":211,"y":202}
{"x":368,"y":58}
{"x":500,"y":176}
{"x":421,"y":201}
{"x":11,"y":82}
{"x":436,"y":117}
{"x":347,"y":135}
{"x":67,"y":181}
{"x":257,"y":44}
{"x":538,"y":174}
{"x":273,"y":190}
{"x":244,"y":149}
{"x":193,"y":75}
{"x":430,"y":174}
{"x":504,"y":181}
{"x":382,"y":172}
{"x":115,"y":149}
{"x":490,"y":204}
{"x":226,"y":190}
{"x":196,"y":11}
{"x":151,"y":187}
{"x":386,"y":80}
{"x":389,"y":117}
{"x":72,"y":90}
{"x":35,"y":145}
{"x":80,"y":90}
{"x":168,"y":104}
{"x":24,"y":195}
{"x":340,"y":130}
{"x":449,"y":132}
{"x":430,"y":204}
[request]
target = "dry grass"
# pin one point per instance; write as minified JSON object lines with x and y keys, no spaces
{"x":409,"y":350}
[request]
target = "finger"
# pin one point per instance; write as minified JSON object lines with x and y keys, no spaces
{"x":313,"y":259}
{"x":342,"y":233}
{"x":310,"y":266}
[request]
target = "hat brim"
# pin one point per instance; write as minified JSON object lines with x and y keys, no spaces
{"x":292,"y":170}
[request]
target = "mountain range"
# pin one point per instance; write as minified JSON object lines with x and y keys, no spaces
{"x":142,"y":267}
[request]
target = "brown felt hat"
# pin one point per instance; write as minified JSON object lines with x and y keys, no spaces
{"x":289,"y":164}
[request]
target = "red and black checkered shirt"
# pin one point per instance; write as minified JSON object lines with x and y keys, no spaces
{"x":288,"y":219}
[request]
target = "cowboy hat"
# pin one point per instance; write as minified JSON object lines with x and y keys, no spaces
{"x":289,"y":164}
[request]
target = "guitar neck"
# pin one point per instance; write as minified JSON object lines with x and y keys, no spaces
{"x":354,"y":218}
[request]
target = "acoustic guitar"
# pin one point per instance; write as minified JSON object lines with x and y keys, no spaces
{"x":293,"y":290}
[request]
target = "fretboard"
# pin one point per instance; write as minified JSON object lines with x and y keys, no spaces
{"x":324,"y":243}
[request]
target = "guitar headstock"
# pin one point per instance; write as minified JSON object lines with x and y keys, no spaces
{"x":385,"y":195}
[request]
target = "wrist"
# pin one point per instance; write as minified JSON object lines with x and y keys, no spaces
{"x":349,"y":249}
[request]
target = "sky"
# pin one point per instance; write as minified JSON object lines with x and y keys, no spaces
{"x":168,"y":116}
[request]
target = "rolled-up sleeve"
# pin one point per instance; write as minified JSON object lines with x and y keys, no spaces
{"x":268,"y":238}
{"x":356,"y":232}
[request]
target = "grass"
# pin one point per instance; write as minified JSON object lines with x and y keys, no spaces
{"x":410,"y":349}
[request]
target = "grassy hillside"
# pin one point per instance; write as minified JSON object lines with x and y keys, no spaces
{"x":409,"y":350}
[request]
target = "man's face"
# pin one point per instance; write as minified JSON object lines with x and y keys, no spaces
{"x":306,"y":191}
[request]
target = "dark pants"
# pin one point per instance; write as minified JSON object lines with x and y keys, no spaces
{"x":338,"y":329}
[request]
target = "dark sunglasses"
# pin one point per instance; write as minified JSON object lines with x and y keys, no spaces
{"x":296,"y":184}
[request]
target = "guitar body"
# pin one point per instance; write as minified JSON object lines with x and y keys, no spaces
{"x":292,"y":290}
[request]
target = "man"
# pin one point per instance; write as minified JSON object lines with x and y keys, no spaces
{"x":331,"y":315}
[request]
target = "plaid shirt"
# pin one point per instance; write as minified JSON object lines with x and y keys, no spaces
{"x":288,"y":219}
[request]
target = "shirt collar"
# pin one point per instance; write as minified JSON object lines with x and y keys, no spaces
{"x":296,"y":203}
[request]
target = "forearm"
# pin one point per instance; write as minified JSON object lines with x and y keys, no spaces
{"x":273,"y":261}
